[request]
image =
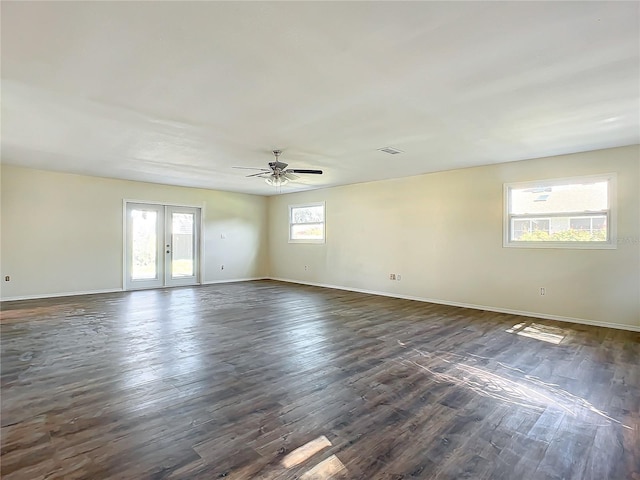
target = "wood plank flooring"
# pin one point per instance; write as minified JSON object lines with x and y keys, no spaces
{"x":269,"y":380}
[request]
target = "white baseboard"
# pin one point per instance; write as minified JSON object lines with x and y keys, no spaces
{"x":234,"y":280}
{"x":113,"y":290}
{"x":63,"y":294}
{"x":546,"y":316}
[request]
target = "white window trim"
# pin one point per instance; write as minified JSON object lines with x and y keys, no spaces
{"x":612,"y":225}
{"x":324,"y":223}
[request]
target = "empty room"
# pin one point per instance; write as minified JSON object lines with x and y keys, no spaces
{"x":320,"y":240}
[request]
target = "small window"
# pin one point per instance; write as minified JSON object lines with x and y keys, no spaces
{"x":569,"y":213}
{"x":306,"y":223}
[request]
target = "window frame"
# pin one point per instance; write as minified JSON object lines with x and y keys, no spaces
{"x":610,"y":213}
{"x":324,"y":223}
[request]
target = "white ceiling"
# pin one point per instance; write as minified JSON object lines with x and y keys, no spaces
{"x":179,"y":92}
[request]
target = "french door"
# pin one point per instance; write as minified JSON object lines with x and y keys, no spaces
{"x":162,"y":245}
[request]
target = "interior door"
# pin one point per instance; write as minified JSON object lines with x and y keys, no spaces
{"x":162,"y":246}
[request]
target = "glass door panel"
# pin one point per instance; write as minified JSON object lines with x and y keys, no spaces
{"x":182,"y":241}
{"x":144,"y":245}
{"x":145,"y":233}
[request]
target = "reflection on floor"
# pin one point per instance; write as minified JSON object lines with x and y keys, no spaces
{"x":505,"y":383}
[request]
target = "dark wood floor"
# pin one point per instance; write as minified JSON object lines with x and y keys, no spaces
{"x":275,"y":381}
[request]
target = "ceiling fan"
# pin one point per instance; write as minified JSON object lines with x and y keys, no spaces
{"x":278,"y":174}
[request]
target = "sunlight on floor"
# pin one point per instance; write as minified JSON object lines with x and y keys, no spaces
{"x":306,"y":451}
{"x":545,"y":333}
{"x":325,"y":470}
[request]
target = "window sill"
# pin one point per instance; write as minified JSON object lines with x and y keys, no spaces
{"x":563,"y":245}
{"x":316,"y":242}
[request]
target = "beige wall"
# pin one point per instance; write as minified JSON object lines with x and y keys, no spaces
{"x":62,"y":233}
{"x":443,"y":233}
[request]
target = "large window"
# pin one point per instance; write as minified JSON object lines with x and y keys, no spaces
{"x":571,"y":213}
{"x":306,"y":223}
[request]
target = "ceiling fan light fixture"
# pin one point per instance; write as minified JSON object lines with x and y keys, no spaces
{"x":276,"y":181}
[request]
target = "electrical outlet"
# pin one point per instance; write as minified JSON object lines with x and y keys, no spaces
{"x":306,"y":267}
{"x":221,"y":267}
{"x":7,"y":278}
{"x":543,"y":291}
{"x":398,"y":277}
{"x":392,"y":276}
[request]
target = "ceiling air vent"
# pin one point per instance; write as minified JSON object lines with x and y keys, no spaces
{"x":390,"y":150}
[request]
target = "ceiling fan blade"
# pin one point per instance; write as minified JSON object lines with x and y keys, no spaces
{"x":299,"y":170}
{"x":259,"y":174}
{"x":290,"y":175}
{"x":253,"y":168}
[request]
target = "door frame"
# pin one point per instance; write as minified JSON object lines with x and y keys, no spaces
{"x":201,"y":255}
